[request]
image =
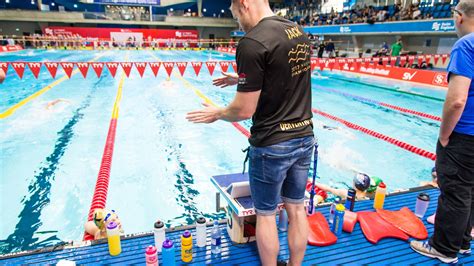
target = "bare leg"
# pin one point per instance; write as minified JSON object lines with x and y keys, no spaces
{"x":267,"y":239}
{"x":297,"y":232}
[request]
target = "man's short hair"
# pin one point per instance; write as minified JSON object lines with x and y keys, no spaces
{"x":466,"y":7}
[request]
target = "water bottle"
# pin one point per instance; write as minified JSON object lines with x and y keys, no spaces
{"x":113,"y":239}
{"x":332,"y":211}
{"x":422,"y":202}
{"x":186,"y":247}
{"x":201,"y":234}
{"x":338,"y":220}
{"x":216,"y":239}
{"x":151,"y":256}
{"x":168,"y":253}
{"x":160,"y":234}
{"x":351,"y":195}
{"x":283,"y":221}
{"x":380,"y":196}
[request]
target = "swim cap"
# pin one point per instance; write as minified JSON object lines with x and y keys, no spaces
{"x":361,"y":181}
{"x":433,"y":170}
{"x":374,"y":183}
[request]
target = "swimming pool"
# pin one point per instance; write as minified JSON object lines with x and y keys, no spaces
{"x":162,"y":163}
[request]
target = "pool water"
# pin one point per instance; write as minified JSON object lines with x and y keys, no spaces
{"x":161,"y":163}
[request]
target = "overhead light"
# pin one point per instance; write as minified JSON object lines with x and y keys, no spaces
{"x":17,"y":29}
{"x":189,"y":10}
{"x":222,"y":11}
{"x":32,"y":2}
{"x":204,"y":10}
{"x":171,"y":9}
{"x":75,"y":6}
{"x":7,"y":1}
{"x":53,"y":4}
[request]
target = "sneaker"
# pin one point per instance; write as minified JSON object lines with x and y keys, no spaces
{"x":425,"y":249}
{"x":465,"y":251}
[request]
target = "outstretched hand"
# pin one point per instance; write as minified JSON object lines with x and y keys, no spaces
{"x":228,"y":79}
{"x":207,"y":115}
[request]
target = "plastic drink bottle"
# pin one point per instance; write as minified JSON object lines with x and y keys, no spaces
{"x":159,"y":234}
{"x":380,"y":196}
{"x":168,"y":253}
{"x":283,"y":221}
{"x":186,"y":247}
{"x":151,"y":256}
{"x":216,"y":239}
{"x":201,"y":234}
{"x":338,"y":219}
{"x":351,"y":195}
{"x":113,"y":238}
{"x":422,"y":202}
{"x":332,"y":211}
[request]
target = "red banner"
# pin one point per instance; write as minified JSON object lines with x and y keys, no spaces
{"x":234,"y":66}
{"x":35,"y":68}
{"x":112,"y":66}
{"x":116,"y":33}
{"x":155,"y":66}
{"x":83,"y":67}
{"x":98,"y":67}
{"x":68,"y":68}
{"x":127,"y":68}
{"x":436,"y":58}
{"x":10,"y":48}
{"x":181,"y":67}
{"x":405,"y":74}
{"x":444,"y":57}
{"x":168,"y":67}
{"x":4,"y":66}
{"x":211,"y":66}
{"x":52,"y":68}
{"x":141,"y":66}
{"x":19,"y":68}
{"x":197,"y":67}
{"x":224,"y":65}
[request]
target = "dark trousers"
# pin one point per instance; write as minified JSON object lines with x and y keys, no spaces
{"x":455,"y":169}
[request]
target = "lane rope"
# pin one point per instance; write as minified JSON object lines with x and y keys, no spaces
{"x":390,"y":106}
{"x":375,"y":134}
{"x":99,"y":198}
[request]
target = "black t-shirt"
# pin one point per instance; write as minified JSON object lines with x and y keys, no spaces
{"x":274,"y":57}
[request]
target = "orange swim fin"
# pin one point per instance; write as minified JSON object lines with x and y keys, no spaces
{"x":406,"y":221}
{"x":319,"y":233}
{"x":375,"y":228}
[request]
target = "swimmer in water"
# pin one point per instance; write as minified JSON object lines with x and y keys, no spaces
{"x":2,"y":76}
{"x":434,"y":181}
{"x":50,"y":104}
{"x":364,"y":185}
{"x":330,"y":127}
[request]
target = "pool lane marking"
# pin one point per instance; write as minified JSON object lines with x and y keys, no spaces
{"x":201,"y":95}
{"x":375,"y":134}
{"x":15,"y":107}
{"x":390,"y":106}
{"x":99,"y":198}
{"x":388,"y":89}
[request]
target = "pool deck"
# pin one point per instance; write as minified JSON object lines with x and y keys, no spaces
{"x":351,"y":249}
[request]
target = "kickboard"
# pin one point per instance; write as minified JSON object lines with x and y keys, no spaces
{"x":375,"y":228}
{"x":350,"y":220}
{"x":319,"y":233}
{"x":405,"y":220}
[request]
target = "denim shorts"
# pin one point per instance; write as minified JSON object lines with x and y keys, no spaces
{"x":279,"y":173}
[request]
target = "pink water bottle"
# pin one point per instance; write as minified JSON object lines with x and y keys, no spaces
{"x":151,"y":256}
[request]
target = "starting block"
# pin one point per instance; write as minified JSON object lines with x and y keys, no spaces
{"x":241,"y":216}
